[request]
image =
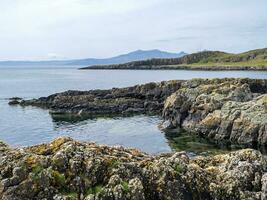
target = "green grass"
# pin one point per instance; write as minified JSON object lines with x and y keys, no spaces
{"x":253,"y":63}
{"x":205,"y":59}
{"x":254,"y":58}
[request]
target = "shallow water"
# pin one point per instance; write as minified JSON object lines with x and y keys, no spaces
{"x":26,"y":126}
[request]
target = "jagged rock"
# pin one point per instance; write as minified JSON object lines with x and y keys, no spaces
{"x":15,"y":101}
{"x":147,"y":98}
{"x":223,"y":110}
{"x":68,"y":170}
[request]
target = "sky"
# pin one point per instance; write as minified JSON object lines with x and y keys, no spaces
{"x":67,"y":29}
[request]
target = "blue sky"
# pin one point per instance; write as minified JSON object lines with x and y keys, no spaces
{"x":63,"y":29}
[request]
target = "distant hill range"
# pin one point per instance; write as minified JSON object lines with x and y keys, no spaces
{"x":205,"y":60}
{"x":132,"y":56}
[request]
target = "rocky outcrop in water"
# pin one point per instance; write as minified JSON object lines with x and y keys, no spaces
{"x":224,"y":110}
{"x":68,"y":170}
{"x":147,"y":98}
{"x":231,"y":111}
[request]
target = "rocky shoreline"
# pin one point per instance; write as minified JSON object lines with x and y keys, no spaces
{"x":232,"y":111}
{"x":229,"y":111}
{"x":176,"y":67}
{"x":66,"y":169}
{"x":139,"y":99}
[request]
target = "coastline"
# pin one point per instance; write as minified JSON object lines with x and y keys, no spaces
{"x":189,"y":68}
{"x":200,"y":106}
{"x":229,"y":110}
{"x":205,"y":60}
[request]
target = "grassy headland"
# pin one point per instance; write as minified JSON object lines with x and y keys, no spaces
{"x":206,"y":60}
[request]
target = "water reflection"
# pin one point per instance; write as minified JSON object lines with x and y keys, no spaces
{"x":180,"y":140}
{"x":132,"y":131}
{"x":76,"y":118}
{"x":35,"y":126}
{"x":195,"y":145}
{"x":136,"y":131}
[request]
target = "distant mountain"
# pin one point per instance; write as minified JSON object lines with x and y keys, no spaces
{"x":208,"y":60}
{"x":132,"y":56}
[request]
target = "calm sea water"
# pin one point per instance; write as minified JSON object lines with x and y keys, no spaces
{"x":26,"y":126}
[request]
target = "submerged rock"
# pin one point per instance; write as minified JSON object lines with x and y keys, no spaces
{"x":67,"y":169}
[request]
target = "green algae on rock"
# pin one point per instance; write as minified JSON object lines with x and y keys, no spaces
{"x":68,"y":169}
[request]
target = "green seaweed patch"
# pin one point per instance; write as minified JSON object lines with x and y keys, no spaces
{"x":179,"y":168}
{"x":37,"y":168}
{"x":125,"y":186}
{"x":115,"y":163}
{"x":94,"y":190}
{"x":60,"y":179}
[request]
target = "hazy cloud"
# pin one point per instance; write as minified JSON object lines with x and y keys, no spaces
{"x":30,"y":29}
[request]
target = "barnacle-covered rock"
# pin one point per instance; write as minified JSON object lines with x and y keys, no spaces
{"x":66,"y":169}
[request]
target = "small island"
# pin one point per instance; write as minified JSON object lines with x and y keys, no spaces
{"x":205,"y":60}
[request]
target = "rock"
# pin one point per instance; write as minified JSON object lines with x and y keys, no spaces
{"x":264,"y":186}
{"x":15,"y":101}
{"x":66,"y":169}
{"x":147,"y":98}
{"x":223,"y":110}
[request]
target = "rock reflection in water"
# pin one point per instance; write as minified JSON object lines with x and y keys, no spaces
{"x":135,"y":131}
